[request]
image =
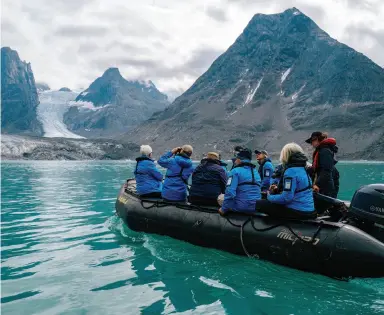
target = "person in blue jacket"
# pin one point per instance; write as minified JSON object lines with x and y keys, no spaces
{"x":179,"y":167}
{"x":208,"y":181}
{"x":294,"y":198}
{"x":243,"y":185}
{"x":276,"y":176}
{"x":236,"y":151}
{"x":265,"y":169}
{"x":148,"y":177}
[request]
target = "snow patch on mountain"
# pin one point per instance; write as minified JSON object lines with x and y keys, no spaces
{"x":285,"y":75}
{"x":50,"y":112}
{"x":252,"y":93}
{"x":87,"y":105}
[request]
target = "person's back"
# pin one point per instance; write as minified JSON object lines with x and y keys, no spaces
{"x":293,"y":198}
{"x":297,"y":190}
{"x":179,"y":168}
{"x":243,"y":186}
{"x":208,"y":181}
{"x":327,"y":176}
{"x":148,"y":177}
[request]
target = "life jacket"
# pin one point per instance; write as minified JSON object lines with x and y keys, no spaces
{"x":326,"y":142}
{"x":297,"y":160}
{"x":252,"y":166}
{"x":261,"y":167}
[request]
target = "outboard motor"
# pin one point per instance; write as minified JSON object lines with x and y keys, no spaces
{"x":367,"y":209}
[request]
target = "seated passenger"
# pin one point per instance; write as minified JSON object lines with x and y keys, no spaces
{"x":294,"y":198}
{"x":208,"y":181}
{"x":243,"y":185}
{"x":265,"y":169}
{"x":148,"y":177}
{"x":236,"y":151}
{"x":179,"y":167}
{"x":276,"y":176}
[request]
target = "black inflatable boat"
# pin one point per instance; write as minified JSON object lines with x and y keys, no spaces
{"x":336,"y":249}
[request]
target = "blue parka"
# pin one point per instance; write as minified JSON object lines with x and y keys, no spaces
{"x":265,"y":171}
{"x":208,"y":179}
{"x":243,"y":188}
{"x":148,"y":177}
{"x":296,"y":187}
{"x":179,"y":168}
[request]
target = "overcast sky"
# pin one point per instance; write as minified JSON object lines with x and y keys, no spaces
{"x":171,"y":42}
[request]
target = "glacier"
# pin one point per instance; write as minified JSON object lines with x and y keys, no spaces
{"x":50,"y":112}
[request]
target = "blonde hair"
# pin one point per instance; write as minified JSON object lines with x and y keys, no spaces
{"x":145,"y":150}
{"x":288,"y":150}
{"x":213,"y":155}
{"x":187,"y":148}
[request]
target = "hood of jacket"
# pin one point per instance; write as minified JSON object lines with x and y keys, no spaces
{"x":329,"y":143}
{"x":143,"y":158}
{"x":297,"y":159}
{"x":183,"y":161}
{"x":205,"y":161}
{"x":264,"y":161}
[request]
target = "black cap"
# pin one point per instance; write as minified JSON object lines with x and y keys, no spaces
{"x":238,"y":148}
{"x":245,"y":154}
{"x":314,"y":135}
{"x":261,"y":151}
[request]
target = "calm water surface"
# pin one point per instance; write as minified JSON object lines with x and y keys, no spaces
{"x":63,"y":251}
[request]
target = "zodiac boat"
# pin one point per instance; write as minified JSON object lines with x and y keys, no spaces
{"x":350,"y":247}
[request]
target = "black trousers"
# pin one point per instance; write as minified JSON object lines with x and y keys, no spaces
{"x":151,"y":195}
{"x":201,"y":201}
{"x":280,"y":211}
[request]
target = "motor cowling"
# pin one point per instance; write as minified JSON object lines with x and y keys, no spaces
{"x":368,"y":203}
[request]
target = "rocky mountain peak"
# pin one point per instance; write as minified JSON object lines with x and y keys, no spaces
{"x":19,"y":97}
{"x":282,"y":78}
{"x":112,"y":74}
{"x":112,"y":104}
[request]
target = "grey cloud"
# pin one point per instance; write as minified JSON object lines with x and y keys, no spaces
{"x":120,"y":62}
{"x":360,"y":4}
{"x":358,"y":32}
{"x":7,"y":26}
{"x":88,"y":47}
{"x":81,"y":31}
{"x":141,"y":63}
{"x":202,"y":59}
{"x":316,"y":13}
{"x":363,"y":30}
{"x":216,"y":13}
{"x":195,"y":66}
{"x":44,"y":11}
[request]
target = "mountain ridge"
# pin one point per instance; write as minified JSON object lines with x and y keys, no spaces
{"x":111,"y":105}
{"x":281,"y":79}
{"x":19,"y":99}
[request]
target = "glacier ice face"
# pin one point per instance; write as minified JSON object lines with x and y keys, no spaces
{"x":50,"y":111}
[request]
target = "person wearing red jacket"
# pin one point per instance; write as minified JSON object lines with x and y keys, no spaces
{"x":324,"y":173}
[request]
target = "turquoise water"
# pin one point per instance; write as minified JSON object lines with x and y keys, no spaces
{"x":63,"y":251}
